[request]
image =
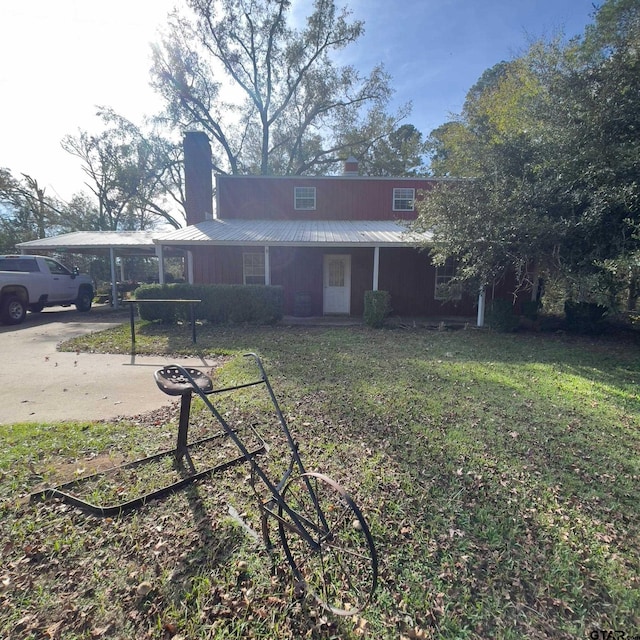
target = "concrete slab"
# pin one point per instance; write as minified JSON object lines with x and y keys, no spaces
{"x":38,"y":383}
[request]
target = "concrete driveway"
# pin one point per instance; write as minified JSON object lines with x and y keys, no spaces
{"x":40,"y":384}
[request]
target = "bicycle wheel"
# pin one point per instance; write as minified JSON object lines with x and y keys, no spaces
{"x":340,"y":570}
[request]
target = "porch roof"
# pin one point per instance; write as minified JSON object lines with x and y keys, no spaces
{"x":97,"y":242}
{"x":361,"y":233}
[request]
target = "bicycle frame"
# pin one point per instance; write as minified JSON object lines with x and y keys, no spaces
{"x":317,"y":536}
{"x":295,"y":463}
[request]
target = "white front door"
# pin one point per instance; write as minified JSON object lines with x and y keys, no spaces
{"x":337,"y":284}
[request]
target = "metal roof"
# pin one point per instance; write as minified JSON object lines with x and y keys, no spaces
{"x":94,"y":241}
{"x":368,"y":233}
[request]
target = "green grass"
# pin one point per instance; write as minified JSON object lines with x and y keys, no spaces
{"x":499,"y":474}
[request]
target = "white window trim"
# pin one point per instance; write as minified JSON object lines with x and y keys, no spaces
{"x":412,"y":198}
{"x":247,"y":268}
{"x":296,"y":197}
{"x":444,"y":274}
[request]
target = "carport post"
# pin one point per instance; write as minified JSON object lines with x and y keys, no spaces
{"x":160,"y":254}
{"x":190,"y":267}
{"x":114,"y":284}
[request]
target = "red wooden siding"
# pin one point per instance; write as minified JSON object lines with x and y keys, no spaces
{"x":407,"y":274}
{"x":410,"y":278}
{"x":337,"y":198}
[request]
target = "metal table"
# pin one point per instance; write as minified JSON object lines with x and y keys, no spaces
{"x":191,"y":303}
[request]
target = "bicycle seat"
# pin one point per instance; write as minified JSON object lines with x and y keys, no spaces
{"x":173,"y":382}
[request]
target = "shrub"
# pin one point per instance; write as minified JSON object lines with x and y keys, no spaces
{"x":530,"y":309}
{"x":377,"y":306}
{"x":164,"y":312}
{"x":585,"y":317}
{"x":221,"y":303}
{"x":500,"y":316}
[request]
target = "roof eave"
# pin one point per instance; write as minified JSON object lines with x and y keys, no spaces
{"x":280,"y":243}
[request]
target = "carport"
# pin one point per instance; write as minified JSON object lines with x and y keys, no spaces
{"x":113,"y":244}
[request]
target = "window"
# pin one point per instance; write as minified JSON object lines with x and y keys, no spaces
{"x":305,"y":198}
{"x":253,"y":268}
{"x":56,"y":268}
{"x":444,"y":274}
{"x":336,"y":273}
{"x":403,"y":199}
{"x":19,"y":264}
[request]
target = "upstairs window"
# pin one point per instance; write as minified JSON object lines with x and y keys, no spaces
{"x":253,"y":271}
{"x":403,"y":199}
{"x":305,"y":198}
{"x":444,"y":275}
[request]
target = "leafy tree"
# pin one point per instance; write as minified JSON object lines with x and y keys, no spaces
{"x":549,"y":143}
{"x":400,"y":153}
{"x":130,"y":173}
{"x":597,"y":138}
{"x":491,"y":218}
{"x":269,"y":95}
{"x":79,"y":214}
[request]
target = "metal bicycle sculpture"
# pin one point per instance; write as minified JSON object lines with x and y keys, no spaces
{"x":325,"y":537}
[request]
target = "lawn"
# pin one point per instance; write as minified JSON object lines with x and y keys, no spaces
{"x":499,"y":474}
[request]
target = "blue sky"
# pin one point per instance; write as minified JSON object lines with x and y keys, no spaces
{"x":63,"y":57}
{"x":436,"y":50}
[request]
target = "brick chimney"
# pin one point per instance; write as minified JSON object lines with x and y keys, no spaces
{"x":198,"y":179}
{"x":350,"y":167}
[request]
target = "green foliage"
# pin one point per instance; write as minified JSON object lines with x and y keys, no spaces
{"x":531,"y":308}
{"x":221,"y":304}
{"x":585,"y":317}
{"x":501,"y":317}
{"x":549,"y":145}
{"x":498,"y":474}
{"x":377,"y":306}
{"x":401,"y":153}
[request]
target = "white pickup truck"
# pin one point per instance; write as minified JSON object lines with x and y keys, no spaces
{"x":35,"y":282}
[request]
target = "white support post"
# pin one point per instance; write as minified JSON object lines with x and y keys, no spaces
{"x":376,"y":267}
{"x":190,"y":267}
{"x":114,"y":284}
{"x":481,"y":304}
{"x":160,"y":254}
{"x":267,"y":267}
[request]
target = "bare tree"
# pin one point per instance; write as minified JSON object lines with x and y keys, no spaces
{"x":270,"y":96}
{"x":129,"y":173}
{"x":26,"y":211}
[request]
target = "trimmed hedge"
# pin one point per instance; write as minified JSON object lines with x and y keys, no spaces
{"x":221,"y":303}
{"x":377,"y":306}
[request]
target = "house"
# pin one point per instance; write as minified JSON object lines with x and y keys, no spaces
{"x":325,"y":240}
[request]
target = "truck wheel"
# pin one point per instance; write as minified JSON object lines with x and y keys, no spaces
{"x":13,"y":310}
{"x":84,"y":300}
